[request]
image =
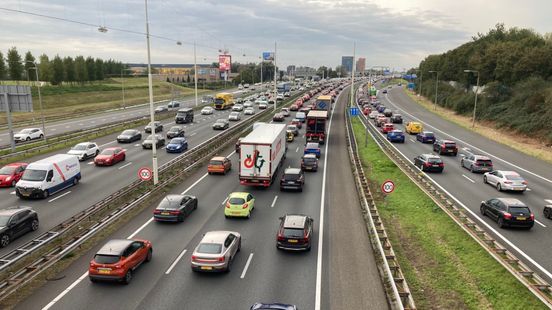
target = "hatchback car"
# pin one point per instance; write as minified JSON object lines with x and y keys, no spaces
{"x":249,"y":111}
{"x":508,"y":212}
{"x":239,"y":204}
{"x":221,"y":124}
{"x":11,"y":174}
{"x":380,"y":120}
{"x":174,"y":208}
{"x":295,"y":232}
{"x":505,"y":180}
{"x":148,"y":142}
{"x":297,"y":122}
{"x":28,"y":134}
{"x":285,"y":112}
{"x":414,"y":128}
{"x":248,"y":104}
{"x":387,"y":112}
{"x":234,"y":116}
{"x":309,"y":162}
{"x":396,"y":119}
{"x":278,"y":117}
{"x":207,"y":111}
{"x":475,"y":163}
{"x":237,"y":107}
{"x":84,"y":150}
{"x":426,"y":137}
{"x":293,"y":178}
{"x":175,"y":131}
{"x":129,"y":135}
{"x":263,"y":105}
{"x":110,"y":156}
{"x":312,"y":148}
{"x":387,"y":127}
{"x":161,"y":109}
{"x":177,"y":145}
{"x":294,"y":129}
{"x":219,"y":164}
{"x":396,"y":136}
{"x":445,"y":147}
{"x":15,"y":222}
{"x":156,"y":125}
{"x":216,"y":251}
{"x":373,"y":114}
{"x":118,"y":259}
{"x":429,"y":162}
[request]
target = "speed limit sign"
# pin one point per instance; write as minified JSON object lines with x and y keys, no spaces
{"x":145,"y":174}
{"x":388,"y":186}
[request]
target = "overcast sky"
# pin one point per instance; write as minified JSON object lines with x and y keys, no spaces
{"x":394,"y":33}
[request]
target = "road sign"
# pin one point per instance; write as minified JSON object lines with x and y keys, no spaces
{"x":388,"y":187}
{"x":354,"y":111}
{"x":145,"y":173}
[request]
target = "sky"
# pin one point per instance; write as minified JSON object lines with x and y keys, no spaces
{"x":393,"y":33}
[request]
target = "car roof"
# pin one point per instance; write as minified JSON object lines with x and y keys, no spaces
{"x":174,"y":198}
{"x":310,"y":156}
{"x":292,"y":171}
{"x":295,"y":220}
{"x":178,"y":138}
{"x":512,"y":202}
{"x":431,"y":156}
{"x":448,"y":141}
{"x":114,"y":247}
{"x":15,"y":164}
{"x":311,"y":144}
{"x":218,"y":158}
{"x":397,"y":131}
{"x":113,"y":148}
{"x":13,"y":210}
{"x":218,"y":236}
{"x":483,"y":157}
{"x":238,"y":194}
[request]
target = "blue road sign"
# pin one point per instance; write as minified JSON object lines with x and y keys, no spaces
{"x":354,"y":111}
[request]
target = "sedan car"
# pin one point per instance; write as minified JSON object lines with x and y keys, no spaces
{"x":387,"y":127}
{"x":161,"y":109}
{"x":295,"y":232}
{"x":297,"y":122}
{"x":309,"y":162}
{"x":248,"y":104}
{"x":396,"y":119}
{"x":177,"y":145}
{"x":426,"y":137}
{"x":387,"y":112}
{"x":239,"y":204}
{"x":508,"y":212}
{"x":28,"y":134}
{"x":207,"y":111}
{"x":156,"y":125}
{"x":110,"y":156}
{"x":219,"y":164}
{"x":11,"y":174}
{"x":174,"y":208}
{"x":505,"y":180}
{"x":249,"y":111}
{"x":278,"y":117}
{"x":263,"y":105}
{"x":129,"y":135}
{"x":175,"y":131}
{"x":148,"y":143}
{"x":373,"y":114}
{"x":85,"y":150}
{"x":15,"y":222}
{"x":294,"y":129}
{"x":118,"y":258}
{"x":312,"y":148}
{"x":221,"y":124}
{"x":285,"y":112}
{"x":396,"y":136}
{"x":293,"y":178}
{"x":234,"y":116}
{"x":216,"y":251}
{"x":237,"y":107}
{"x":429,"y":162}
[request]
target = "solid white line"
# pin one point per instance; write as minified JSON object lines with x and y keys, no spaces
{"x":136,"y":144}
{"x":140,"y":229}
{"x":125,"y":165}
{"x":90,"y":163}
{"x":412,"y":140}
{"x":195,"y":183}
{"x":465,"y":176}
{"x":541,"y":224}
{"x":175,"y":261}
{"x":60,"y":296}
{"x":53,"y":129}
{"x":12,"y":193}
{"x":297,"y":150}
{"x":246,"y":266}
{"x":58,"y":197}
{"x":67,"y":126}
{"x":528,"y":189}
{"x":193,"y":134}
{"x":108,"y":143}
{"x":274,"y":201}
{"x":222,"y":203}
{"x":548,"y":200}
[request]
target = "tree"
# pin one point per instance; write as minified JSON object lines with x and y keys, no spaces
{"x":81,"y":72}
{"x":69,"y":68}
{"x":188,"y":80}
{"x":14,"y":62}
{"x":99,"y":69}
{"x":29,"y":63}
{"x":57,"y":71}
{"x":90,"y":69}
{"x":44,"y":68}
{"x":3,"y":70}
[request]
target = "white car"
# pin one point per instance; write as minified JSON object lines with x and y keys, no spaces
{"x":301,"y":88}
{"x":28,"y":134}
{"x":263,"y":105}
{"x":207,"y":111}
{"x":505,"y":180}
{"x":84,"y":150}
{"x":237,"y":107}
{"x":285,"y":111}
{"x":234,"y":116}
{"x":248,"y":104}
{"x":280,"y":97}
{"x":287,"y":94}
{"x":249,"y":111}
{"x":373,"y":114}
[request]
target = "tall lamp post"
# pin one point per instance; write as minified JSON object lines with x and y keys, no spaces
{"x":150,"y":90}
{"x":39,"y":99}
{"x":262,"y":60}
{"x":476,"y":92}
{"x":275,"y":72}
{"x":351,"y":103}
{"x":436,"y":85}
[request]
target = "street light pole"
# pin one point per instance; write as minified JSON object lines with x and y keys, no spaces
{"x":476,"y":92}
{"x":421,"y":81}
{"x":262,"y":60}
{"x":123,"y":88}
{"x":195,"y":73}
{"x":152,"y":117}
{"x":40,"y":101}
{"x":353,"y":76}
{"x":436,"y":85}
{"x":275,"y":71}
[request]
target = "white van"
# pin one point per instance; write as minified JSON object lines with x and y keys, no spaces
{"x":49,"y":176}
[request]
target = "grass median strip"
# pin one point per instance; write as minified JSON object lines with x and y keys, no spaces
{"x":444,"y":267}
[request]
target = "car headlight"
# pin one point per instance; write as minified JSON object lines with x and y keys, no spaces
{"x":8,"y":178}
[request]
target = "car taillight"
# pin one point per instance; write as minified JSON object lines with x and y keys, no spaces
{"x":220,"y":259}
{"x":281,"y":238}
{"x":426,"y":164}
{"x":245,"y":205}
{"x":174,"y":212}
{"x":524,"y":182}
{"x":532,"y":217}
{"x":157,"y":212}
{"x":194,"y":257}
{"x":507,"y":216}
{"x":228,"y":205}
{"x":441,"y":164}
{"x":443,"y":147}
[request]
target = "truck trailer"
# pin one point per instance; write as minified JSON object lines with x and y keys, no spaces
{"x":316,"y":126}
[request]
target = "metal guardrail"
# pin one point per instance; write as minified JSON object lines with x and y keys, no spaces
{"x":80,"y":227}
{"x":396,"y":287}
{"x":530,"y":279}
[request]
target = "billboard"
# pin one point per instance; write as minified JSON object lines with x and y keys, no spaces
{"x":268,"y":56}
{"x":225,"y":62}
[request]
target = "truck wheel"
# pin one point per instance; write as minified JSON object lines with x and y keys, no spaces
{"x":45,"y":194}
{"x":546,"y":213}
{"x":75,"y":181}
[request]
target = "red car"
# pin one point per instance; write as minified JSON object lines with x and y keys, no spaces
{"x":110,"y":156}
{"x":294,"y":107}
{"x":297,"y":123}
{"x":11,"y":173}
{"x":387,"y":127}
{"x":366,"y":111}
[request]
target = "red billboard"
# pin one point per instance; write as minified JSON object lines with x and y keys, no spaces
{"x":225,"y":62}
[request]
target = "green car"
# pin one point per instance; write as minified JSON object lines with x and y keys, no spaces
{"x":239,"y":204}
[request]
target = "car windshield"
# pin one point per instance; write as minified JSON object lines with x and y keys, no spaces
{"x":25,"y":131}
{"x":174,"y":129}
{"x":107,"y":152}
{"x":7,"y":170}
{"x":513,"y":177}
{"x":106,"y":259}
{"x":434,"y":160}
{"x":293,"y":232}
{"x":4,"y":220}
{"x":236,"y":201}
{"x":176,"y":141}
{"x":309,"y":160}
{"x":312,"y":146}
{"x":209,"y":248}
{"x":450,"y":144}
{"x":167,"y":204}
{"x":220,"y":120}
{"x":428,"y":134}
{"x":34,"y":175}
{"x":523,"y":210}
{"x":291,"y":176}
{"x":150,"y":137}
{"x":292,"y":127}
{"x":79,"y":147}
{"x":215,"y":163}
{"x":234,"y":114}
{"x":484,"y":162}
{"x":128,"y":133}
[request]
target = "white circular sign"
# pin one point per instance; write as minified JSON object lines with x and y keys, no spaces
{"x":145,"y":173}
{"x":388,"y":186}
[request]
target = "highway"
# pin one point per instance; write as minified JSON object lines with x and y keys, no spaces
{"x":338,"y":273}
{"x":532,"y":246}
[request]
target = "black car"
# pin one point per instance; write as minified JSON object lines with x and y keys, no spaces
{"x":157,"y":126}
{"x":185,"y":115}
{"x":429,"y":162}
{"x":148,"y":142}
{"x":508,"y":212}
{"x":445,"y":147}
{"x":15,"y":222}
{"x":388,"y":112}
{"x":293,"y":178}
{"x":129,"y":135}
{"x":221,"y":124}
{"x":309,"y":162}
{"x":295,"y":232}
{"x":175,"y":131}
{"x":174,"y":208}
{"x":278,"y":117}
{"x":396,"y":119}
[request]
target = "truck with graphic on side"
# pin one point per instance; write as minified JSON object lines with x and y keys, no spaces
{"x":323,"y":103}
{"x":316,"y":126}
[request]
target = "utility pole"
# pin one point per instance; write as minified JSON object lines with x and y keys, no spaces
{"x":152,"y":116}
{"x":262,"y":60}
{"x":195,"y":73}
{"x":275,"y":72}
{"x":353,"y":75}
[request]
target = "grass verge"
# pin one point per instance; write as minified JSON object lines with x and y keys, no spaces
{"x":444,"y":267}
{"x":521,"y":143}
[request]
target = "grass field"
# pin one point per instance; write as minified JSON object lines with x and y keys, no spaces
{"x":444,"y":267}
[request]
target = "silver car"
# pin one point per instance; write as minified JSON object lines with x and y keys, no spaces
{"x":237,"y":107}
{"x":249,"y":111}
{"x":474,"y":162}
{"x":216,"y":251}
{"x":234,"y":116}
{"x":505,"y":180}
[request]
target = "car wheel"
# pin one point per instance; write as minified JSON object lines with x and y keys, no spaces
{"x":4,"y":241}
{"x":228,"y":266}
{"x":149,"y":256}
{"x":309,"y":247}
{"x":471,"y":168}
{"x":181,"y":218}
{"x":249,"y":214}
{"x":501,"y":223}
{"x":485,"y":179}
{"x":422,"y":167}
{"x":124,"y":157}
{"x":498,"y":187}
{"x":28,"y":139}
{"x":482,"y":210}
{"x":93,"y":280}
{"x":34,"y":225}
{"x":13,"y":183}
{"x":41,"y":136}
{"x":97,"y":152}
{"x":75,"y":181}
{"x":45,"y":194}
{"x":128,"y":277}
{"x":239,"y":246}
{"x":546,"y":213}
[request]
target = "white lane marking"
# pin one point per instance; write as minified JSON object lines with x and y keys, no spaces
{"x":412,"y":140}
{"x":246,"y":266}
{"x":274,"y":201}
{"x":80,"y":124}
{"x":12,"y":193}
{"x":60,"y":296}
{"x":195,"y":183}
{"x":108,"y":143}
{"x":140,"y":228}
{"x":90,"y":163}
{"x":474,"y":147}
{"x":541,"y":224}
{"x":528,"y":189}
{"x":67,"y":126}
{"x":176,"y":261}
{"x":303,"y":136}
{"x":136,"y":144}
{"x":297,"y":150}
{"x":222,"y":203}
{"x":125,"y":165}
{"x":93,"y":122}
{"x":465,"y":176}
{"x":53,"y":129}
{"x":58,"y":197}
{"x":193,"y":134}
{"x":548,"y":200}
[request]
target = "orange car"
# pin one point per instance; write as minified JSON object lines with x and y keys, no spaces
{"x":118,"y":258}
{"x":219,"y":164}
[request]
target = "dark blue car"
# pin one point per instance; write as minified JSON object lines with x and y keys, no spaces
{"x":395,"y":136}
{"x":275,"y":306}
{"x":312,"y":148}
{"x":381,"y":108}
{"x":426,"y":137}
{"x":177,"y":145}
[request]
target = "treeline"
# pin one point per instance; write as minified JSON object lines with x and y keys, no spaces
{"x":57,"y":70}
{"x":515,"y":71}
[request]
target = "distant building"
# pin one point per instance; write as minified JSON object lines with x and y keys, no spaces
{"x":178,"y":72}
{"x":361,"y":65}
{"x":347,"y":63}
{"x":291,"y":70}
{"x":304,"y":72}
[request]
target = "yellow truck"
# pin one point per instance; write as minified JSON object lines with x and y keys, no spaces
{"x":224,"y":101}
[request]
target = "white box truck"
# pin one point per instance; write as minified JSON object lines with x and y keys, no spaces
{"x":49,"y":176}
{"x":262,"y":152}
